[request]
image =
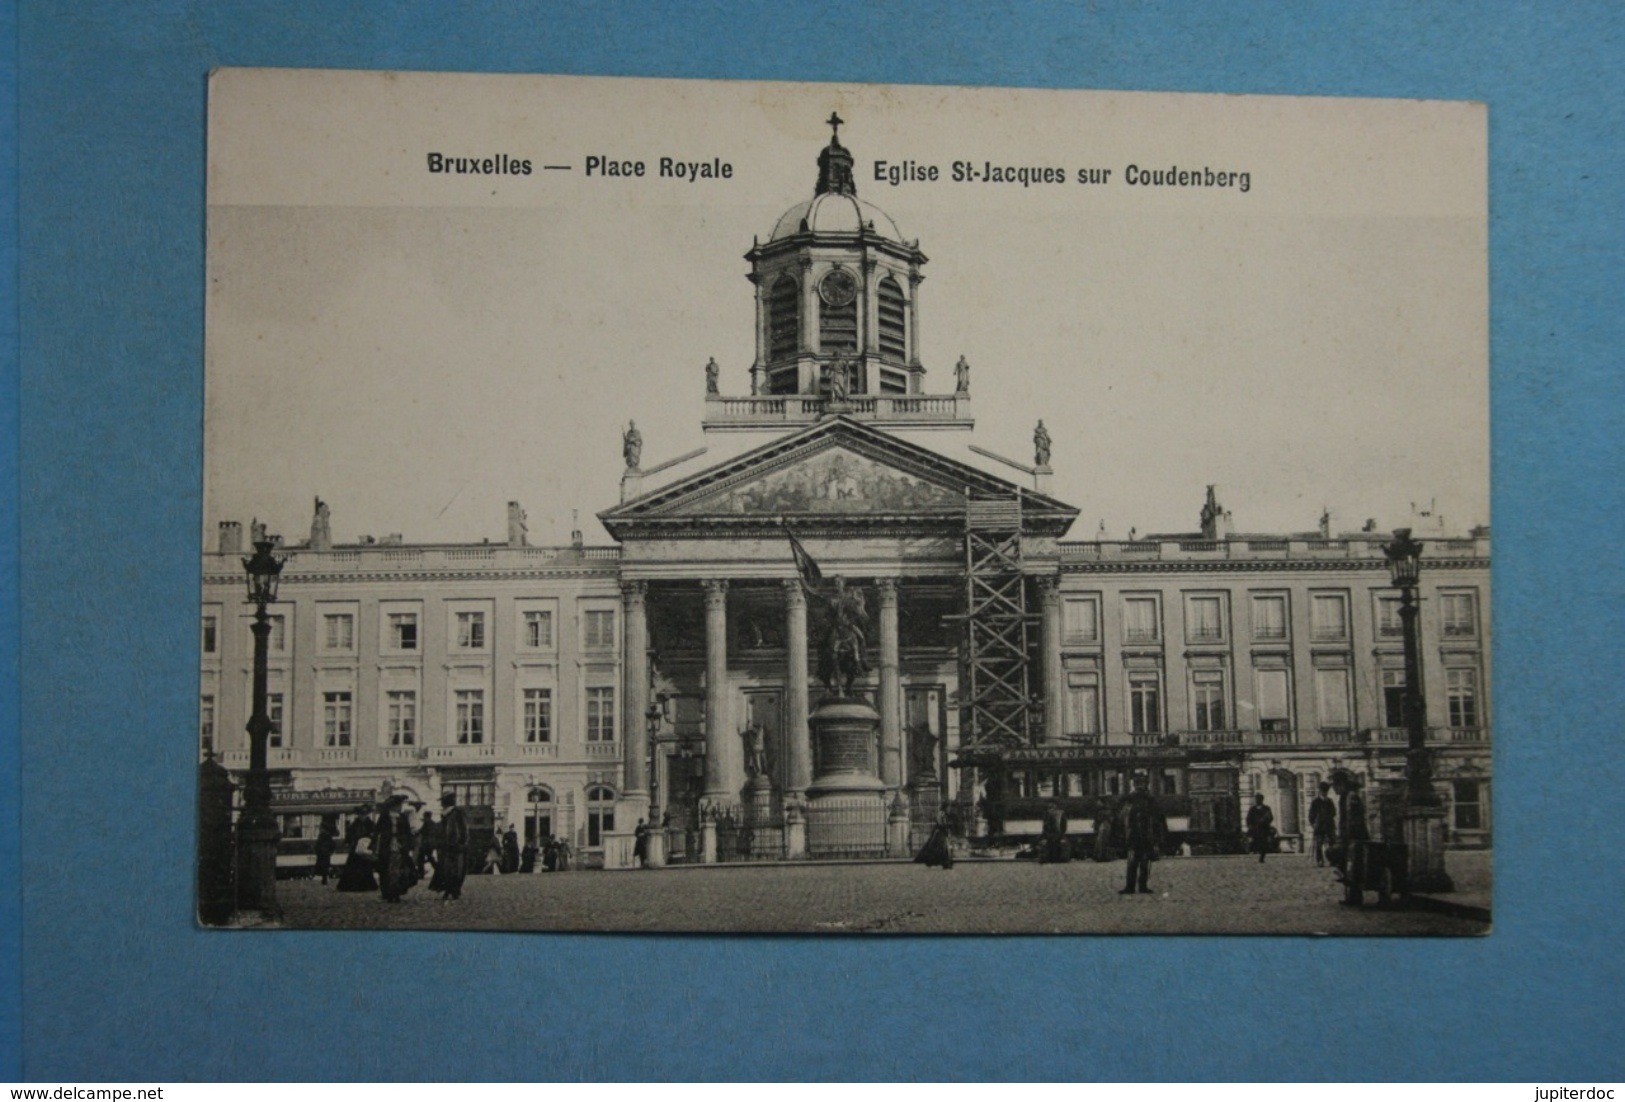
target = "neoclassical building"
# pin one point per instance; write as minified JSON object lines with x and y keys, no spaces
{"x":670,"y":677}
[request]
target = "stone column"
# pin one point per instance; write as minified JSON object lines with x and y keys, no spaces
{"x":717,"y":736}
{"x":1049,"y":594}
{"x":635,"y":693}
{"x":797,"y":744}
{"x":891,"y":689}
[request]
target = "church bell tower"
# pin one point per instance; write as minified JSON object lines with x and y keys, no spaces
{"x":836,"y":287}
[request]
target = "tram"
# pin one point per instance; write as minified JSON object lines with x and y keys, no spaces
{"x":1198,"y":791}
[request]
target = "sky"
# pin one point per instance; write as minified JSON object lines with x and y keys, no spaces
{"x":418,"y":349}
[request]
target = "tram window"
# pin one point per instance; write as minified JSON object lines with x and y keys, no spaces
{"x":1046,"y":785}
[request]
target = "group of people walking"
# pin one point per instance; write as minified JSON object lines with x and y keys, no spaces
{"x":390,"y":849}
{"x":505,"y":856}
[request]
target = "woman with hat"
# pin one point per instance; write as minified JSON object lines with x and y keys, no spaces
{"x":358,"y":857}
{"x":452,"y":863}
{"x":392,"y":850}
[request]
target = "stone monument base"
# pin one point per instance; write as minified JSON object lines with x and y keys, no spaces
{"x":846,"y":805}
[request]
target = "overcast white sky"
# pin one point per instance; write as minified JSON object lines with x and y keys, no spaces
{"x":420,"y":349}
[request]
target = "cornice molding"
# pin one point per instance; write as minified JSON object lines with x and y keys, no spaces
{"x":1259,"y":566}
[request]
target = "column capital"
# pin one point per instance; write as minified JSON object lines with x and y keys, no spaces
{"x":1049,"y":589}
{"x":634,"y":592}
{"x":795,"y":595}
{"x":716,"y":592}
{"x":888,"y":590}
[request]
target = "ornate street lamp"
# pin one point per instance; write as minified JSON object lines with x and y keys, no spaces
{"x":256,"y":827}
{"x":1424,"y":811}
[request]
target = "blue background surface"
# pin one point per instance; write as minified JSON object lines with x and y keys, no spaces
{"x":116,"y":983}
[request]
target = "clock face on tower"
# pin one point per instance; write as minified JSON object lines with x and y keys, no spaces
{"x":838,"y":288}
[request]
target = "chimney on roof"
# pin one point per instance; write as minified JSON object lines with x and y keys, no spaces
{"x":321,"y":527}
{"x":516,"y":526}
{"x":231,"y":537}
{"x":575,"y":529}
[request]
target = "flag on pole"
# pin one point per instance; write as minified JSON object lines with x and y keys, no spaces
{"x":810,"y":574}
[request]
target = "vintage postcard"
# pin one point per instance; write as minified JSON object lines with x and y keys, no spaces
{"x":646,"y":505}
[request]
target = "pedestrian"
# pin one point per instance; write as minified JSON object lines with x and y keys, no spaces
{"x":640,"y":844}
{"x":1054,"y":834}
{"x":493,"y":854}
{"x":394,"y":850}
{"x":1323,"y":821}
{"x":1144,"y":831}
{"x":451,"y":863}
{"x":510,"y":850}
{"x":1105,"y":836}
{"x":1353,"y":836}
{"x":550,"y":854}
{"x":938,"y":849}
{"x":527,"y":858}
{"x":358,"y":857}
{"x":428,"y":843}
{"x":1260,"y":827}
{"x":327,"y":840}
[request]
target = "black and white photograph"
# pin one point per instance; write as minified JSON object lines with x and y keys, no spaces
{"x":640,"y":505}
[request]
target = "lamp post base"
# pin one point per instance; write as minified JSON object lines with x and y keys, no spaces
{"x":1424,"y":850}
{"x":256,"y":869}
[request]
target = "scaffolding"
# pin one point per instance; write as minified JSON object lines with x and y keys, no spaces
{"x":996,"y":705}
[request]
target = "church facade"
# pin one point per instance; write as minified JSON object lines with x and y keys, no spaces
{"x":677,"y":676}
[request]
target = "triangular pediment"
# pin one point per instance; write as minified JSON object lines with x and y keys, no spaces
{"x":835,"y":471}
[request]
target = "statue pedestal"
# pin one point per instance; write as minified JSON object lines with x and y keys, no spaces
{"x":766,"y":833}
{"x":1424,"y":850}
{"x":708,"y":841}
{"x":925,"y":802}
{"x":846,"y":805}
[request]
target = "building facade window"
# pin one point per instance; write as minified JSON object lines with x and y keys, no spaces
{"x":1080,"y":620}
{"x":1393,"y":698}
{"x":1082,"y":704}
{"x":337,"y":715}
{"x":278,"y":642}
{"x":1140,"y":620}
{"x":1461,"y":696}
{"x":601,"y":714}
{"x":1332,"y":697}
{"x":211,"y":632}
{"x":470,"y":720}
{"x":273,"y":712}
{"x":1389,"y":623}
{"x":538,"y":715}
{"x":1329,"y":617}
{"x":600,"y":814}
{"x":1466,"y":805}
{"x":1145,"y":703}
{"x":537,"y":629}
{"x":1458,"y":615}
{"x":205,"y":722}
{"x":1207,"y":700}
{"x":1204,"y":619}
{"x":1269,"y":616}
{"x":471,"y":631}
{"x":598,"y":629}
{"x":403,"y":631}
{"x":1274,"y":700}
{"x":338,"y":631}
{"x":401,"y":717}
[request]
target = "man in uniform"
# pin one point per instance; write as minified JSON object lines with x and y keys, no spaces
{"x":1144,"y":830}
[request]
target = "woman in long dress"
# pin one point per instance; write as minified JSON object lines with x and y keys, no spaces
{"x":938,"y":849}
{"x":358,"y":858}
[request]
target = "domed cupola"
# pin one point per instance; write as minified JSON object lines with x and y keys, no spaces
{"x":836,"y":284}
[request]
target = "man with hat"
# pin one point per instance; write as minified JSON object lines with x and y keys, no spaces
{"x":452,"y":866}
{"x":1143,"y":832}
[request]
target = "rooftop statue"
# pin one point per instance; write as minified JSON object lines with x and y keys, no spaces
{"x":632,"y":446}
{"x":711,"y":373}
{"x":962,"y":376}
{"x":1041,"y":445}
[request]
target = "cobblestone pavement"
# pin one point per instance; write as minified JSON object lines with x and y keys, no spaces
{"x":1286,"y":895}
